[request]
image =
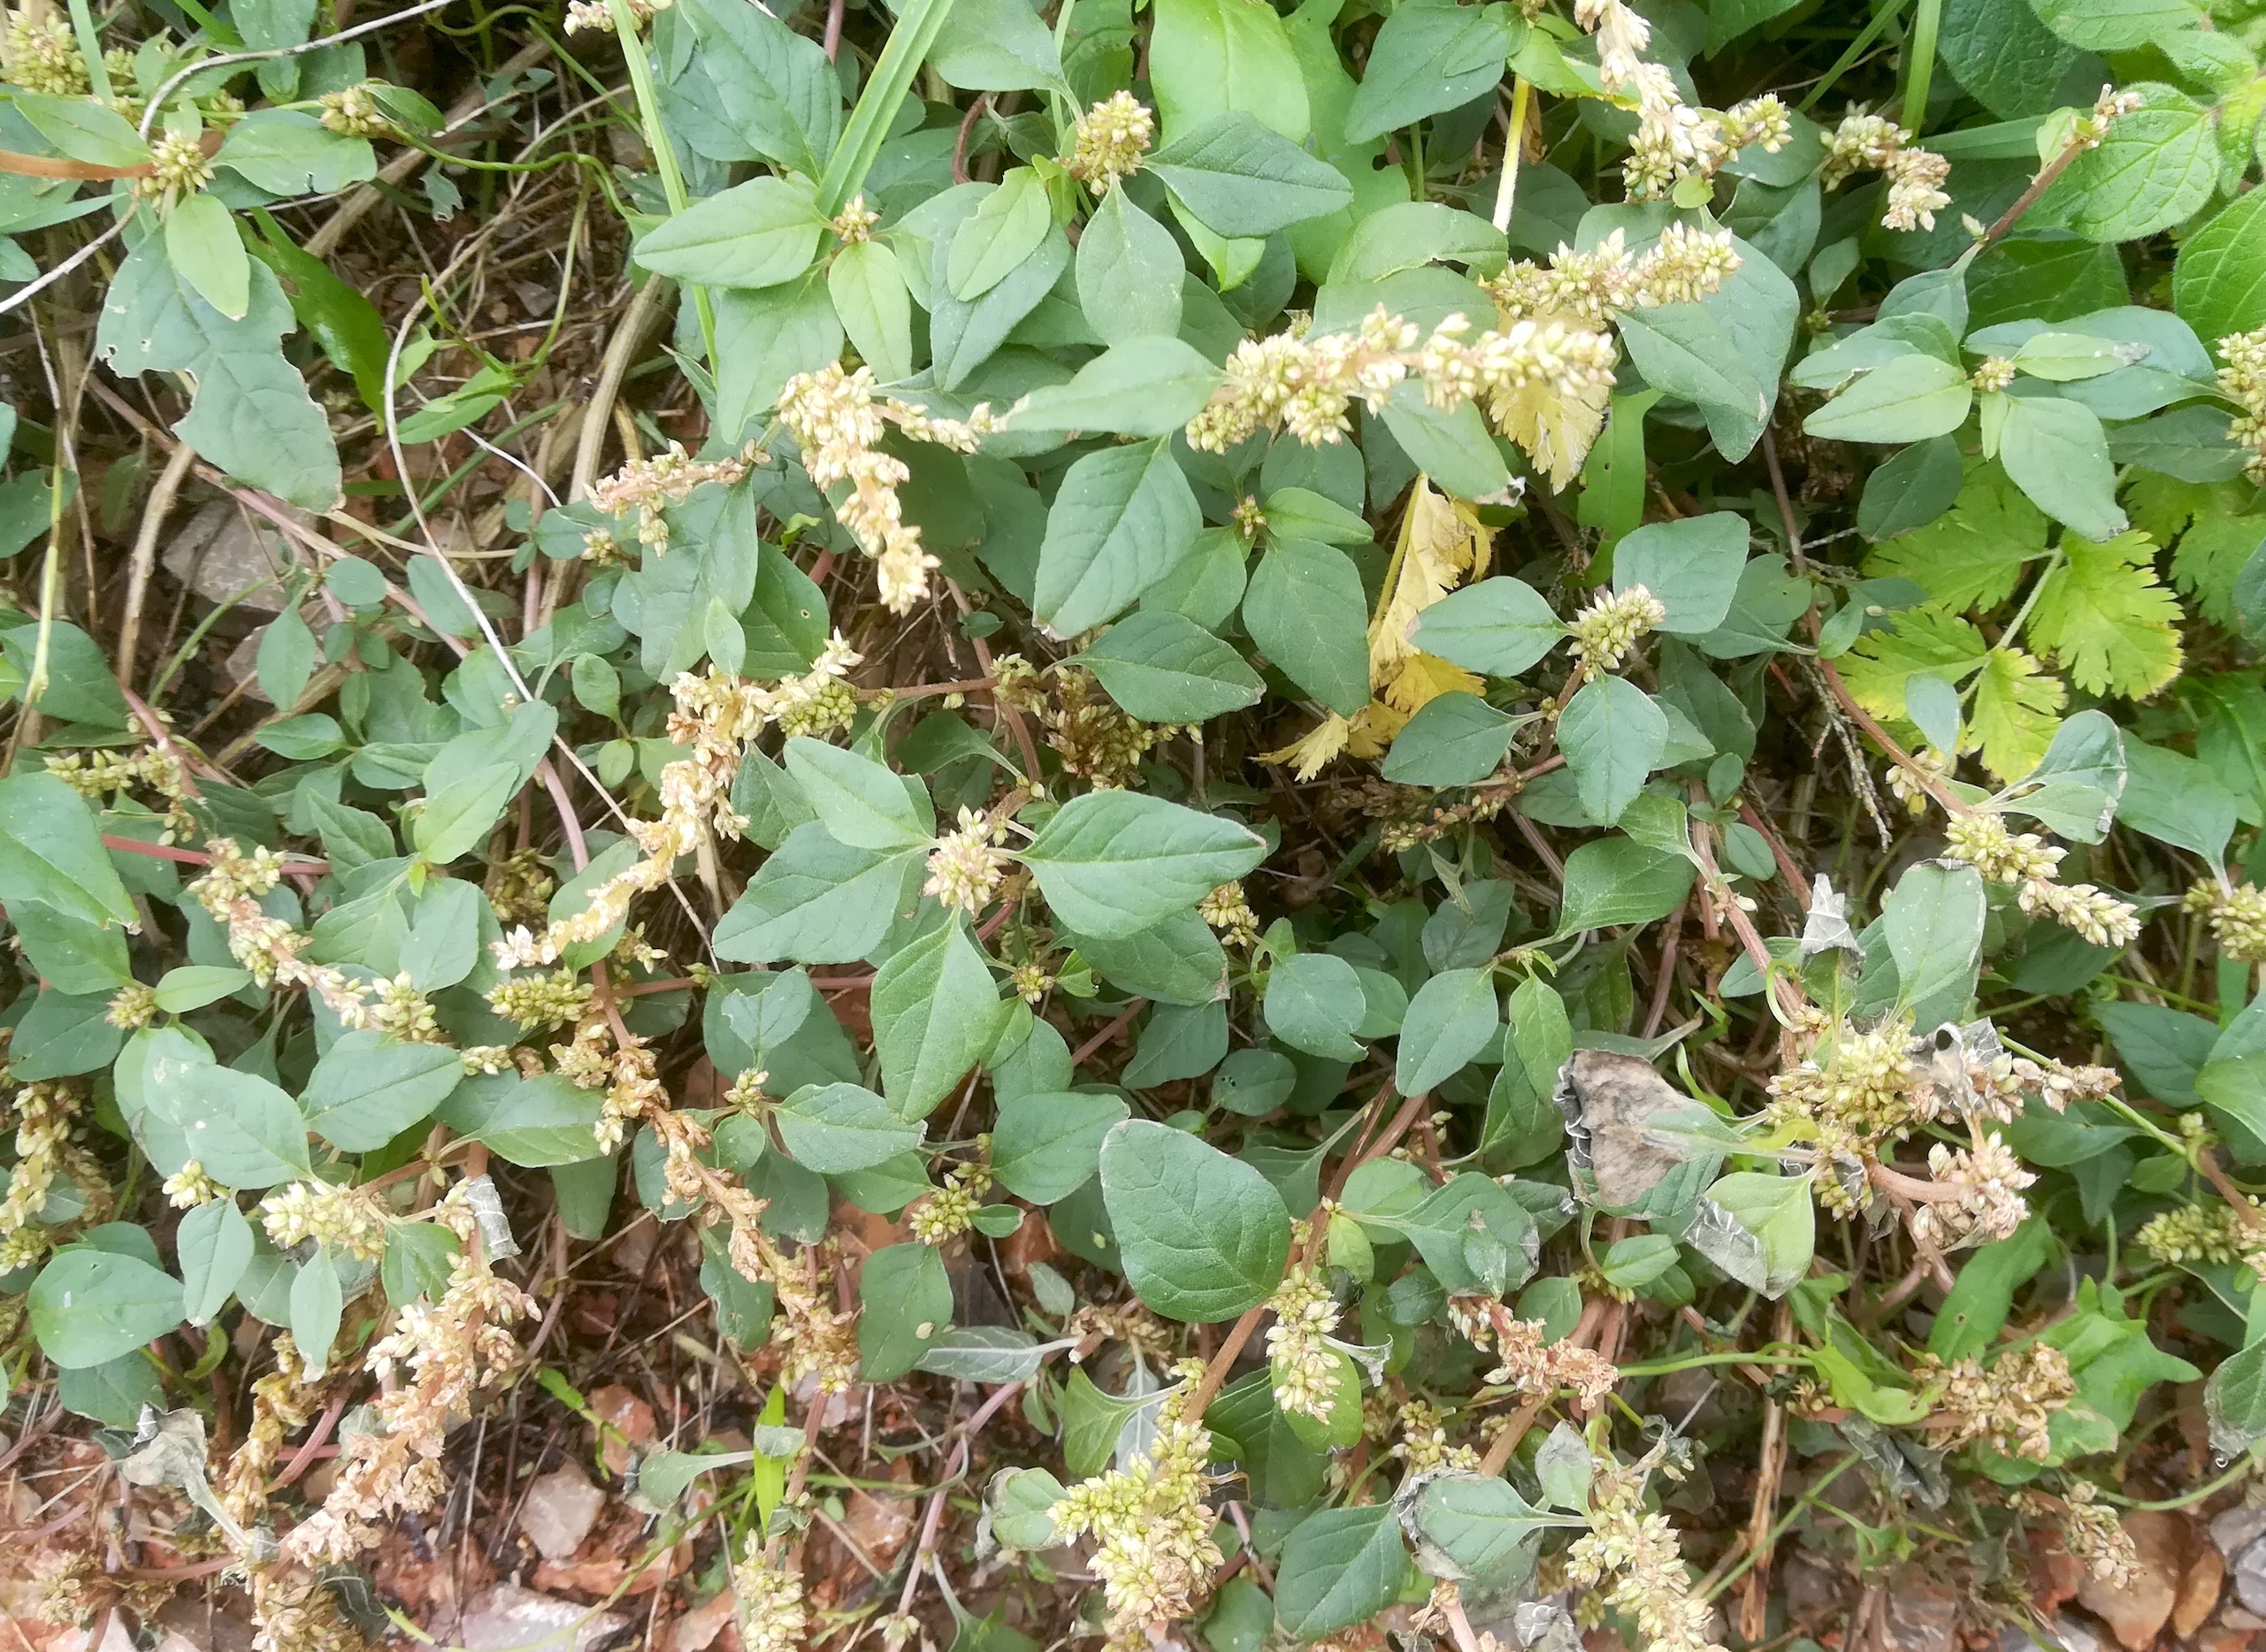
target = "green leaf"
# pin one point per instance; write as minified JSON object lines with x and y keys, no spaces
{"x":2112,"y":626}
{"x":367,"y":1090}
{"x":317,"y":1305}
{"x":2218,"y":283}
{"x":1114,"y":863}
{"x":1314,"y":1003}
{"x":837,"y":1128}
{"x":1760,"y":1229}
{"x":1046,"y":1144}
{"x":1454,"y":739}
{"x":1908,"y":399}
{"x":817,"y":900}
{"x":859,"y":800}
{"x":1162,"y":667}
{"x":936,"y":1014}
{"x":2177,"y":800}
{"x":2234,"y":1401}
{"x":1430,"y":57}
{"x":52,"y":852}
{"x":1469,"y":1526}
{"x":1475,"y":1237}
{"x":1305,"y":610}
{"x":2073,"y":789}
{"x":244,"y":1131}
{"x":1613,"y":736}
{"x":1972,"y":554}
{"x":214,"y":1242}
{"x":252,"y":415}
{"x":1177,"y":962}
{"x":1339,"y":1567}
{"x":1408,"y":234}
{"x":2056,"y":453}
{"x":1934,"y":923}
{"x":995,"y":46}
{"x":772,"y":89}
{"x":2114,"y":24}
{"x":1500,"y":626}
{"x":206,"y":252}
{"x":290,"y":152}
{"x":1136,"y":387}
{"x":458,"y":818}
{"x":758,"y":233}
{"x":765,"y":337}
{"x":1203,"y":1236}
{"x":1613,"y":881}
{"x":1237,"y":177}
{"x":1978,"y":1301}
{"x":2154,"y":169}
{"x":1129,"y":272}
{"x":1723,"y":352}
{"x":906,"y":1299}
{"x":1452,"y":1018}
{"x":2014,"y":719}
{"x":81,"y":129}
{"x":1121,"y":520}
{"x":533,"y":1122}
{"x":1006,"y":228}
{"x":89,"y":1306}
{"x":2004,"y":55}
{"x":869,"y":295}
{"x":1208,"y":56}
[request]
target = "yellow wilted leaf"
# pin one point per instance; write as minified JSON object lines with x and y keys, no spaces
{"x":2016,"y":713}
{"x":1441,"y":544}
{"x":1423,"y":677}
{"x":1374,"y":727}
{"x":1556,"y":429}
{"x":1309,"y":755}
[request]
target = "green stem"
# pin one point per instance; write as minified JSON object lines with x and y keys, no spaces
{"x":1734,"y":1357}
{"x":1785,"y":1523}
{"x":1920,"y":61}
{"x":50,"y":589}
{"x":878,"y":105}
{"x":664,"y":153}
{"x":1856,"y":48}
{"x":90,"y":48}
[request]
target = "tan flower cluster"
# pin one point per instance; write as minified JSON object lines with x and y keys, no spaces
{"x":1127,"y":1322}
{"x":1151,"y":1531}
{"x":179,"y":167}
{"x":1423,"y":1442}
{"x":283,"y":1401}
{"x":43,"y":55}
{"x":1227,"y":909}
{"x":1651,"y":1585}
{"x":1528,"y":1359}
{"x":1304,"y":1364}
{"x":557,"y":1000}
{"x":189,"y":1187}
{"x":1608,"y":627}
{"x":966,"y":866}
{"x":2242,"y":381}
{"x":1672,"y":141}
{"x":1906,"y":788}
{"x":716,"y":715}
{"x":649,"y":486}
{"x":352,"y":112}
{"x":2090,"y":1530}
{"x":839,"y":424}
{"x":2237,"y":914}
{"x":1112,"y":138}
{"x":46,"y":1113}
{"x":230,"y":891}
{"x":1992,"y":373}
{"x":133,"y":1005}
{"x":1097,"y":742}
{"x":2215,"y":1233}
{"x":1864,"y":142}
{"x":98,"y":775}
{"x":2111,"y":107}
{"x":350,"y":1220}
{"x":2008,"y":1406}
{"x":1856,"y":1092}
{"x":951,"y":1210}
{"x":854,"y":223}
{"x":597,"y":17}
{"x":1982,"y":1198}
{"x":439,"y":1358}
{"x":767,"y":1604}
{"x":519,"y":887}
{"x":1588,"y":288}
{"x":2032,"y":866}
